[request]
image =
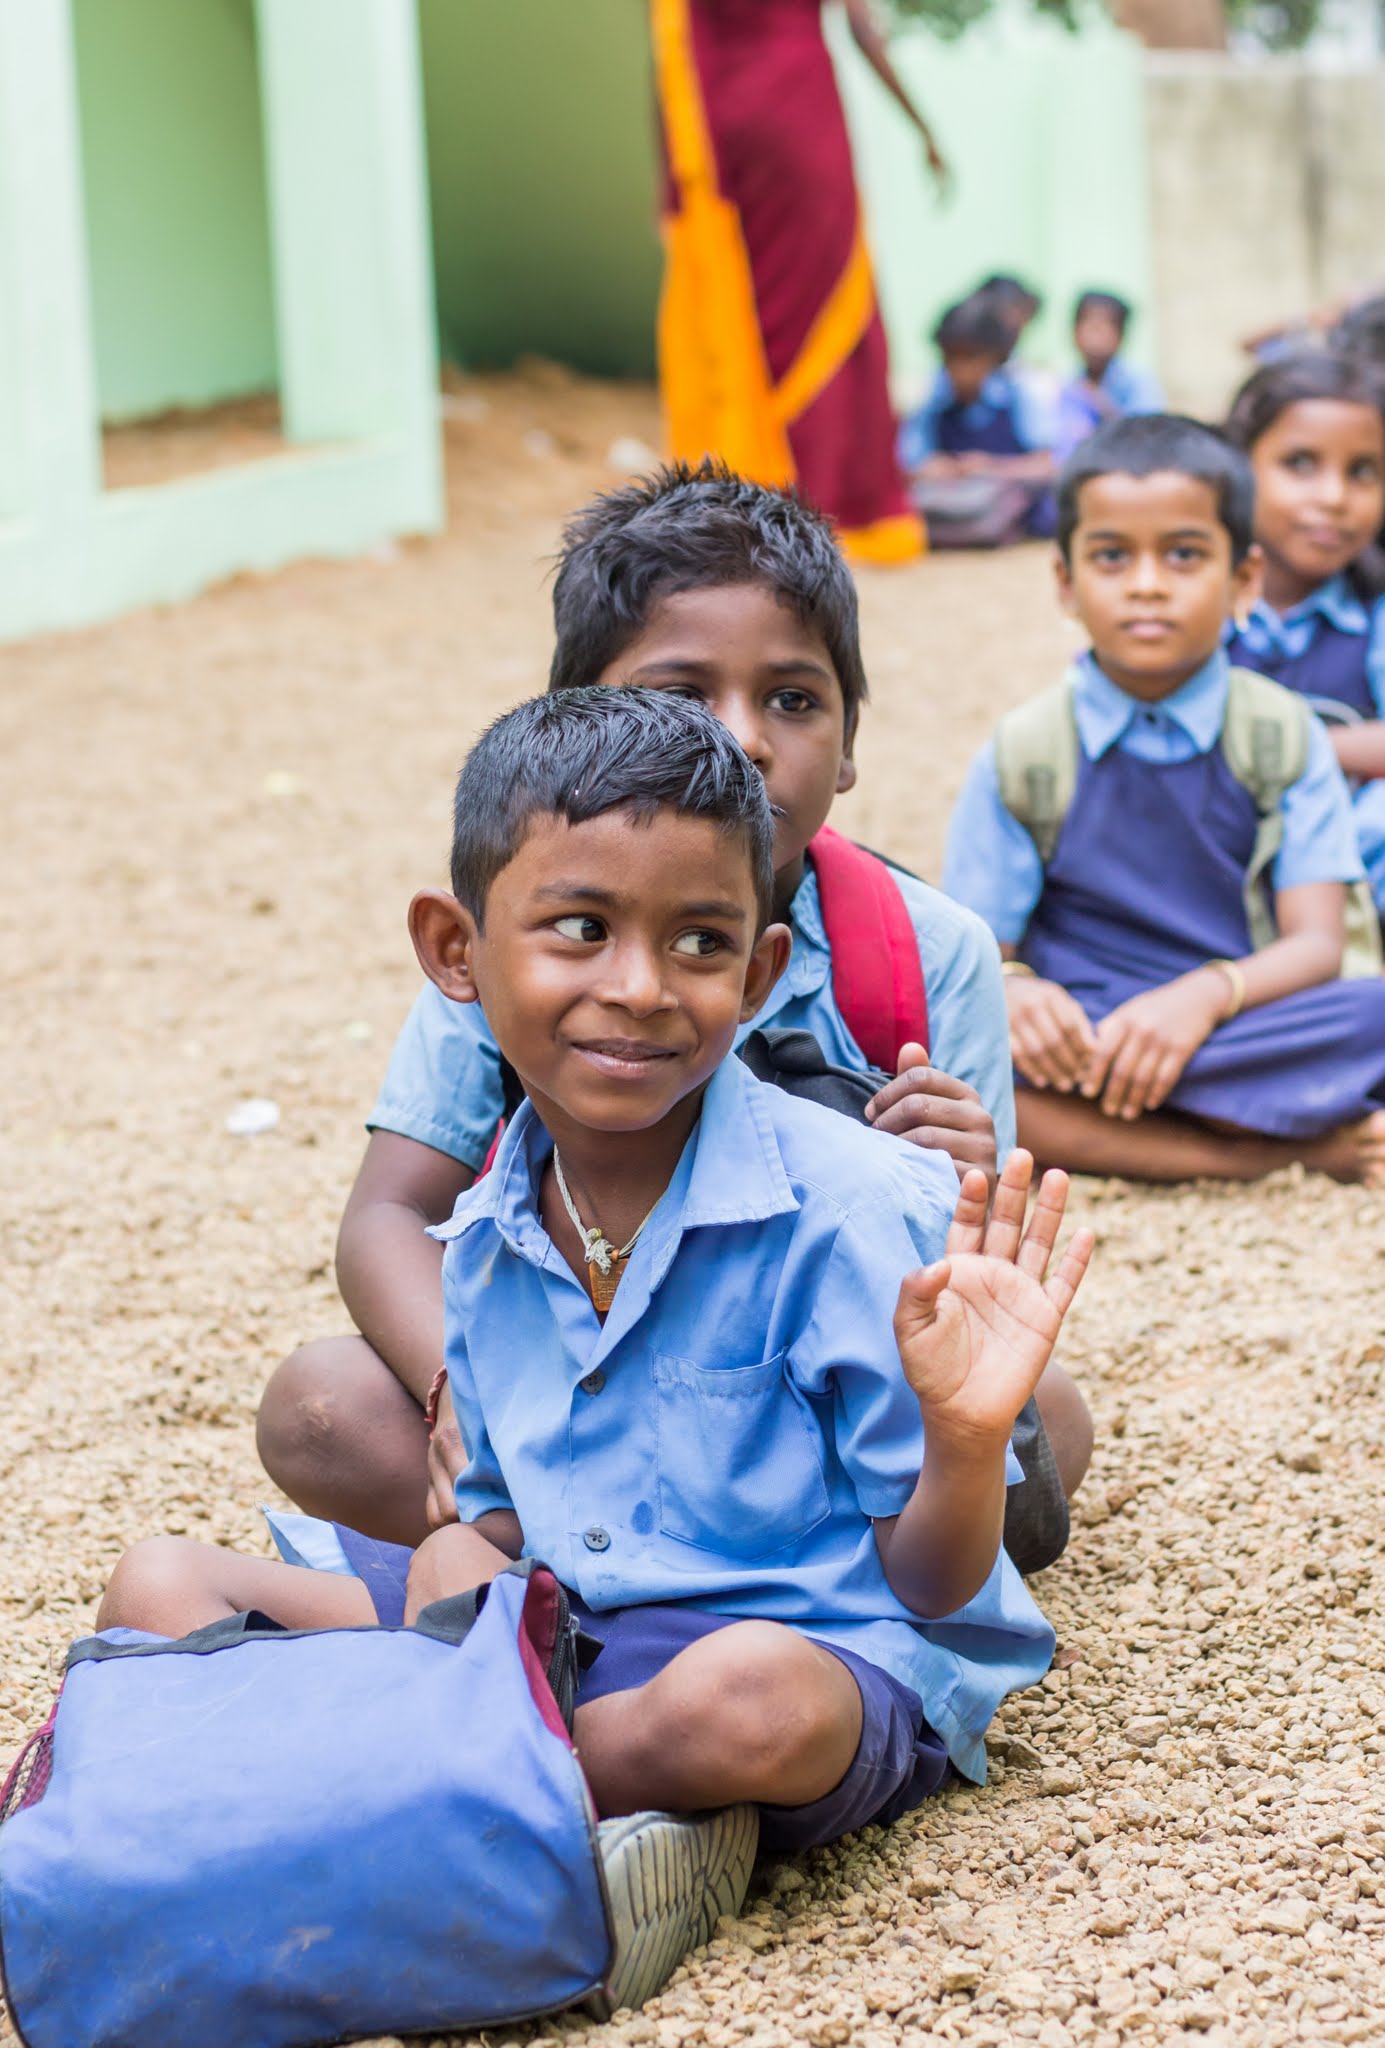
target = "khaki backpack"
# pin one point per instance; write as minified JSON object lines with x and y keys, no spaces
{"x":1264,"y":741}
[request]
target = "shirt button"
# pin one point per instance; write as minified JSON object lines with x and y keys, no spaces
{"x":596,"y":1538}
{"x":594,"y":1382}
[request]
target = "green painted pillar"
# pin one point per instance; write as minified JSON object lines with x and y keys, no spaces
{"x":50,"y":456}
{"x":342,"y":106}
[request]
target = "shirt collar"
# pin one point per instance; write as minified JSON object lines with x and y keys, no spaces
{"x":731,"y":1171}
{"x":1334,"y":601}
{"x":1104,"y":712}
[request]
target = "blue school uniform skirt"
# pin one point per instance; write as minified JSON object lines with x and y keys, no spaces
{"x":1146,"y":883}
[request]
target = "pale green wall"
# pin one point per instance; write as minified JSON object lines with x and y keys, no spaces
{"x":173,"y":176}
{"x":541,"y":169}
{"x":354,"y":317}
{"x":1045,"y":134}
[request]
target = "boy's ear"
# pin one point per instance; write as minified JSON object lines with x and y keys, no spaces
{"x":767,"y":962}
{"x":1246,"y":581}
{"x":444,"y":934}
{"x":846,"y":770}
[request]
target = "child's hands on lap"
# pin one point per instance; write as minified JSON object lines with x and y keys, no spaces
{"x":1143,"y":1046}
{"x":976,"y":1330}
{"x":1051,"y":1041}
{"x":935,"y":1110}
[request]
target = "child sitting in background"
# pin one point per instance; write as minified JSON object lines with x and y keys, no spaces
{"x":764,"y":1443}
{"x":1164,"y":849}
{"x":979,"y":450}
{"x":1109,"y":387}
{"x":704,"y":585}
{"x":1314,"y":429}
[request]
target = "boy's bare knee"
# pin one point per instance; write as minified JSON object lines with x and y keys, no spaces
{"x":1068,"y":1423}
{"x":149,"y":1579}
{"x":763,"y":1694}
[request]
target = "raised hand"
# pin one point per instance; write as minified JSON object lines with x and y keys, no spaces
{"x":976,"y":1330}
{"x":933,"y":1109}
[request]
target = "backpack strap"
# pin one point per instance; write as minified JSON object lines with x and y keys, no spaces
{"x":1265,"y":742}
{"x":877,"y":976}
{"x":1036,"y":756}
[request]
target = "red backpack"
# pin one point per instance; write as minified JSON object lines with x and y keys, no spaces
{"x":877,"y":976}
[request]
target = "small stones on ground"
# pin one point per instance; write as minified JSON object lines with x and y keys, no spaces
{"x":959,"y":1972}
{"x":253,"y":1117}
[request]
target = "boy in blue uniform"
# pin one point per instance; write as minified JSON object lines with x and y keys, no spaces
{"x":1158,"y":1033}
{"x":707,"y":586}
{"x":718,"y":1358}
{"x":981,"y":419}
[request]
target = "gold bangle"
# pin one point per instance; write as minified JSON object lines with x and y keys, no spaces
{"x":1235,"y":975}
{"x":1016,"y":967}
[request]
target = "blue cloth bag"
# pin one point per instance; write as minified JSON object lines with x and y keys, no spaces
{"x":265,"y":1839}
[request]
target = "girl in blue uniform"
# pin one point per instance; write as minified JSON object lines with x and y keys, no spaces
{"x":1314,"y":429}
{"x":1157,"y":1034}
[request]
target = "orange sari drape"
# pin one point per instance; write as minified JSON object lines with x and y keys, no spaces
{"x":771,"y":349}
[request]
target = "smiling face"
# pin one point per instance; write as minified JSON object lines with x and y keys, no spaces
{"x":1319,"y":492}
{"x":1150,"y":576}
{"x":615,"y":961}
{"x":769,"y":678}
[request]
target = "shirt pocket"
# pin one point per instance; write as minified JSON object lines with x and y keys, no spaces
{"x":738,"y":1464}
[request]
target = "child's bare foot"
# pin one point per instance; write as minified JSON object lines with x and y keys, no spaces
{"x":1355,"y":1153}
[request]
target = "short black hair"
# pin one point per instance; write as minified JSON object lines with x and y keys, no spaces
{"x":973,"y":328}
{"x":1003,"y":288}
{"x":698,"y":527}
{"x":1111,"y":303}
{"x":1147,"y":443}
{"x":576,"y":754}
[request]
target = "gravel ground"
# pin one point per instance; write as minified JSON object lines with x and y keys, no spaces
{"x":217,"y":814}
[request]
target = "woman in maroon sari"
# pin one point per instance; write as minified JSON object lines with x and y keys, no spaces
{"x":771,"y":349}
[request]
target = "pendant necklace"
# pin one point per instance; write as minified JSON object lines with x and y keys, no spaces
{"x":604,"y":1262}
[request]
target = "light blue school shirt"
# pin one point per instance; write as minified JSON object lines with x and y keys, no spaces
{"x":1269,"y":634}
{"x":1004,"y":391}
{"x":1128,"y":386}
{"x":992,"y":865}
{"x":443,"y":1084}
{"x":729,"y":1435}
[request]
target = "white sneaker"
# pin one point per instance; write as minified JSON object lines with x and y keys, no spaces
{"x":669,"y":1878}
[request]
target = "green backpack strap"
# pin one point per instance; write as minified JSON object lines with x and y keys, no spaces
{"x":1036,"y":756}
{"x":1265,"y":742}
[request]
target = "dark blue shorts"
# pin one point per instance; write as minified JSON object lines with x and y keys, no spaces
{"x":899,"y":1760}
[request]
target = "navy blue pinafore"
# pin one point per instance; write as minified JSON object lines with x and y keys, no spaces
{"x":1146,"y":882}
{"x":1330,"y":671}
{"x":997,"y":435}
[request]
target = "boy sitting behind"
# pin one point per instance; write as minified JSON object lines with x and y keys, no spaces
{"x":1157,"y":1037}
{"x":1109,"y":388}
{"x":706,"y":586}
{"x":980,"y":420}
{"x":717,"y":1358}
